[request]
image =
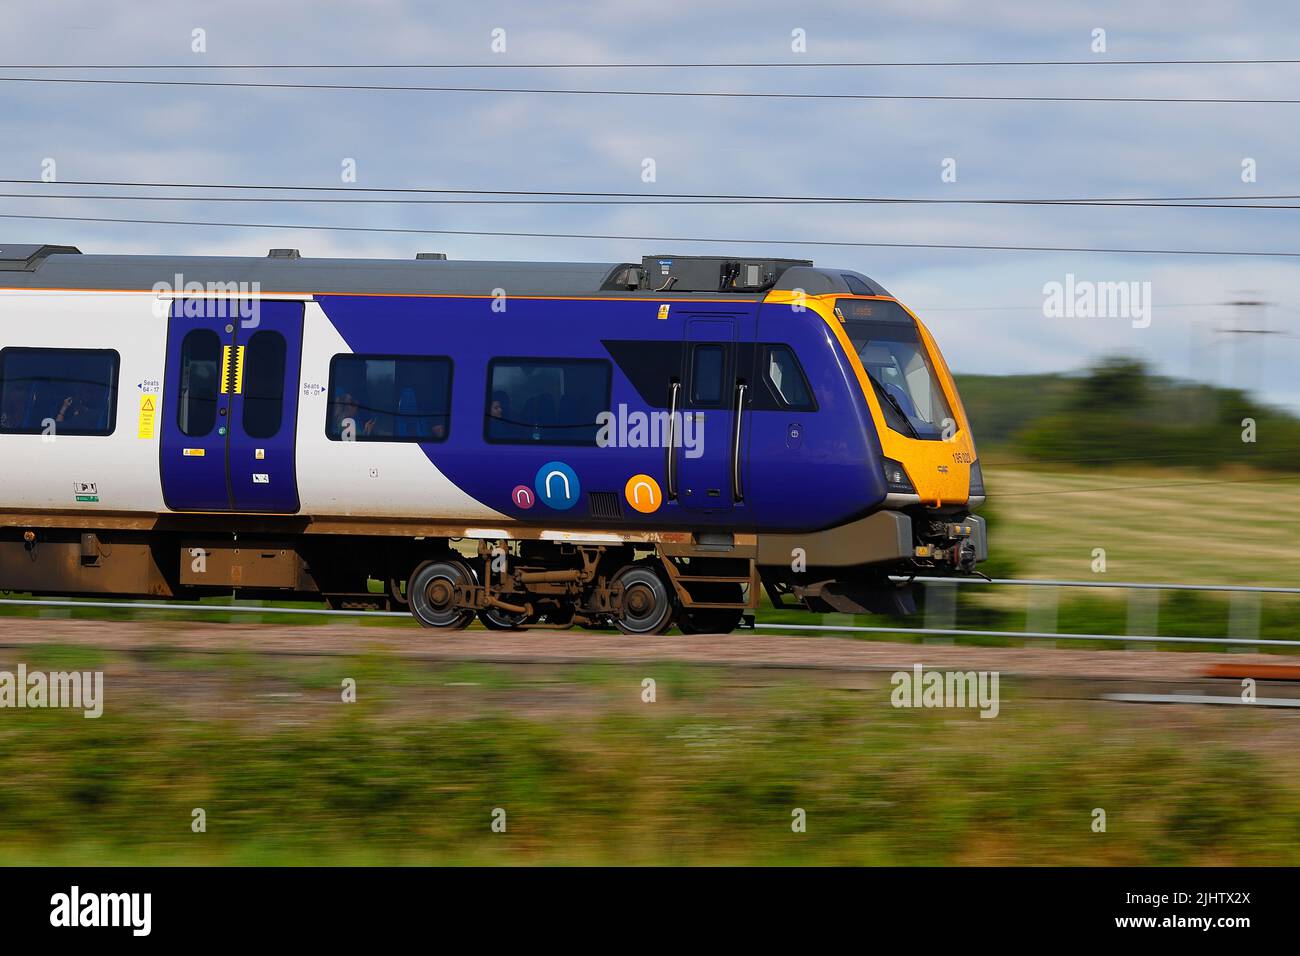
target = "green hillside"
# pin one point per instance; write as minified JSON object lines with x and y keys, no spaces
{"x":1118,"y":413}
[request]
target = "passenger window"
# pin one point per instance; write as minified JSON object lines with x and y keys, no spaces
{"x":707,"y":368}
{"x":196,"y":412}
{"x":58,"y":391}
{"x":545,"y":401}
{"x":786,"y":379}
{"x":263,"y":386}
{"x":389,"y":398}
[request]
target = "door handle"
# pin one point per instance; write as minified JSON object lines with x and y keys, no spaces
{"x":673,"y":390}
{"x":737,"y":488}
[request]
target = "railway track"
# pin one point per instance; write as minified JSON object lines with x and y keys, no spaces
{"x":1121,"y":677}
{"x":923,"y":632}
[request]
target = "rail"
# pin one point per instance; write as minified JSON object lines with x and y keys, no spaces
{"x":1243,"y":627}
{"x":1126,"y":585}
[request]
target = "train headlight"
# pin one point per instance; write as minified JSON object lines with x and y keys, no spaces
{"x":896,"y":478}
{"x":976,"y":480}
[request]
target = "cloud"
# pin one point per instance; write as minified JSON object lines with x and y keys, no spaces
{"x":832,"y":147}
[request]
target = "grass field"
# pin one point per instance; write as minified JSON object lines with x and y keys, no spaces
{"x":1228,"y":526}
{"x":711,"y":772}
{"x":586,"y":772}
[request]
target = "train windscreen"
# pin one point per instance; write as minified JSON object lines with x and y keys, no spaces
{"x":889,"y":346}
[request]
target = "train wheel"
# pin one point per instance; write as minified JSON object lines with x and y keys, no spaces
{"x":496,"y":619}
{"x":648,"y":602}
{"x":432,"y":594}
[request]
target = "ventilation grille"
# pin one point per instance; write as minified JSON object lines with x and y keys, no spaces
{"x":604,"y":504}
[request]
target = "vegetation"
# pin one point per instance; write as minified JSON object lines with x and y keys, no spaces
{"x":1118,"y":413}
{"x":710,"y":774}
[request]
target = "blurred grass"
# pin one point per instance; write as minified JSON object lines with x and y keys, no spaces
{"x":699,"y":778}
{"x":1156,"y":525}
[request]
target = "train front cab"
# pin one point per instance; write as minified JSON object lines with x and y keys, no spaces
{"x":924,"y":524}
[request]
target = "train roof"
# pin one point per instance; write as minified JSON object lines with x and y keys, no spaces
{"x":285,"y":271}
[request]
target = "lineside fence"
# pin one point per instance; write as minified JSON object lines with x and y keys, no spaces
{"x":1041,"y":612}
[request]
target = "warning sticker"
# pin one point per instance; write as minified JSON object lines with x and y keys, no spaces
{"x":148,"y":415}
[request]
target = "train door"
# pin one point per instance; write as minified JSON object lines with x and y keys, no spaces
{"x":230,"y":406}
{"x":707,"y":455}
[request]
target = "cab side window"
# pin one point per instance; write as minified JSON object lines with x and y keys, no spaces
{"x":785,"y":378}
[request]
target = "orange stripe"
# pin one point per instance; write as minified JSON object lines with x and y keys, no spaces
{"x":393,"y":295}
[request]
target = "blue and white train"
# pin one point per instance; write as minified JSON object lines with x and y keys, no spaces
{"x":639,"y":444}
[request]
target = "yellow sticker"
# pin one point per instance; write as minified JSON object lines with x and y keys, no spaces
{"x":663,"y":311}
{"x":193,"y":453}
{"x":225,"y":368}
{"x":643,"y":494}
{"x":148,"y":415}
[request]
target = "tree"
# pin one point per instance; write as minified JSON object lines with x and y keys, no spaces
{"x":1116,"y":384}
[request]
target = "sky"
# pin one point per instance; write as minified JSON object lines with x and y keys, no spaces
{"x":986,"y":308}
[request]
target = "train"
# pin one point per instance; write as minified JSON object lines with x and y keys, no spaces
{"x":640,"y":445}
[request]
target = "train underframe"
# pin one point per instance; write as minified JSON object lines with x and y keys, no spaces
{"x":700,"y":583}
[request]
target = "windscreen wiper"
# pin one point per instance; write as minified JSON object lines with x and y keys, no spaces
{"x":894,"y":403}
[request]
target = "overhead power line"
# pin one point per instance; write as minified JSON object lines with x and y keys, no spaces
{"x":1191,"y":202}
{"x":649,"y":201}
{"x":735,"y":65}
{"x":407,"y":201}
{"x":689,"y":94}
{"x":316,"y":227}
